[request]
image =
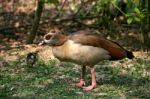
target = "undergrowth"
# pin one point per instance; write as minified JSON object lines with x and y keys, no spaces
{"x":53,"y":80}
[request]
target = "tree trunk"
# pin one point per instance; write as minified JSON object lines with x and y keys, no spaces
{"x":36,"y":21}
{"x":149,"y":12}
{"x":143,"y":2}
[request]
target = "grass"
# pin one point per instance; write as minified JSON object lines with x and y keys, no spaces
{"x":49,"y":81}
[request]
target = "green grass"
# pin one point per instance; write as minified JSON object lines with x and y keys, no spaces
{"x":49,"y":81}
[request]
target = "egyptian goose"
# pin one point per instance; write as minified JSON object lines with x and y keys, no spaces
{"x":85,"y":49}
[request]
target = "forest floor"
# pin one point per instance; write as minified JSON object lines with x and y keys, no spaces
{"x":48,"y":79}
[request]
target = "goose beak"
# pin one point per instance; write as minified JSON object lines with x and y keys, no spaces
{"x":41,"y":43}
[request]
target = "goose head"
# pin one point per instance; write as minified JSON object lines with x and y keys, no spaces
{"x":53,"y":39}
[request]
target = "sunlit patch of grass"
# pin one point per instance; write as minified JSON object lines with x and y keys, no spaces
{"x":50,"y":80}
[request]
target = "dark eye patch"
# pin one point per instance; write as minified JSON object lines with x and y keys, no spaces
{"x":48,"y":37}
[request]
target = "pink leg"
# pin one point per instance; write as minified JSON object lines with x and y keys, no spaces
{"x":82,"y":83}
{"x":93,"y":85}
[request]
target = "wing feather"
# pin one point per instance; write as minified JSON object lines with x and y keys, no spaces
{"x":114,"y":49}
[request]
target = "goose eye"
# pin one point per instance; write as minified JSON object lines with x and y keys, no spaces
{"x":48,"y":37}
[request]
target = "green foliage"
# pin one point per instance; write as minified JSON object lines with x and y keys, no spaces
{"x":107,"y":10}
{"x":135,"y":16}
{"x":104,"y":1}
{"x":107,"y":1}
{"x":51,"y":1}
